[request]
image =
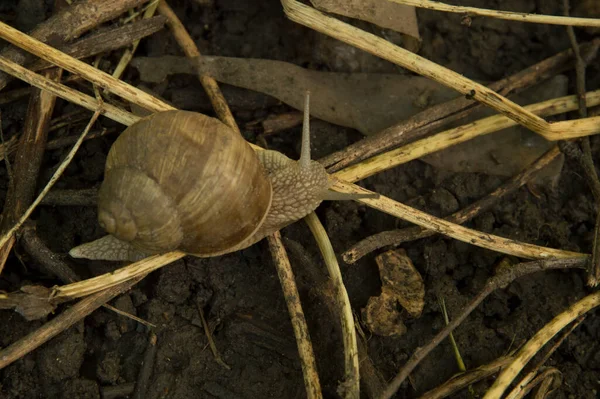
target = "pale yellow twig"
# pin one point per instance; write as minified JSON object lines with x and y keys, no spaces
{"x":380,"y":47}
{"x":461,"y":134}
{"x":351,"y":384}
{"x":456,"y":231}
{"x":99,"y":283}
{"x":539,"y":340}
{"x":509,"y":15}
{"x":65,"y":92}
{"x":73,"y":65}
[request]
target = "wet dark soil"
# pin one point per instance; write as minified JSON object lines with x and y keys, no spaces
{"x":240,"y":293}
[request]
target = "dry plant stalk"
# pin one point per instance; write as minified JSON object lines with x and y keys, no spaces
{"x":73,"y":65}
{"x":467,"y":378}
{"x":67,"y":24}
{"x":379,"y":47}
{"x":458,"y":232}
{"x":29,"y":157}
{"x":461,"y":134}
{"x":399,"y":236}
{"x":292,"y":299}
{"x":67,"y":93}
{"x":538,"y":341}
{"x":351,"y":385}
{"x":507,"y":15}
{"x":7,"y":236}
{"x":520,"y":390}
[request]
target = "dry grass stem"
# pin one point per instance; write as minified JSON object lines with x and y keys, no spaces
{"x":63,"y":166}
{"x":380,"y":47}
{"x":458,"y":232}
{"x":129,"y":316}
{"x":191,"y":51}
{"x":538,"y":341}
{"x":68,"y":23}
{"x":520,"y":390}
{"x":73,"y":65}
{"x":65,"y":92}
{"x":211,"y":341}
{"x":440,"y":115}
{"x":509,"y":15}
{"x":467,"y":378}
{"x":351,"y":385}
{"x":104,"y":281}
{"x":399,"y":236}
{"x":458,"y":135}
{"x":292,"y":299}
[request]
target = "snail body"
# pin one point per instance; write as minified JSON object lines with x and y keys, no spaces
{"x":180,"y":180}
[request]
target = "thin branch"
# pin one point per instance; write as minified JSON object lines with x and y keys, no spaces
{"x":61,"y":322}
{"x":68,"y":24}
{"x":440,"y":115}
{"x":73,"y":65}
{"x":191,"y":51}
{"x":63,"y":166}
{"x":66,"y":92}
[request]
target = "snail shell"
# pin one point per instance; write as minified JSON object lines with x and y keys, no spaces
{"x":180,"y":180}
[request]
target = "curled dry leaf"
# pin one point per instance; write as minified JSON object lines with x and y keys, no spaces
{"x":384,"y":13}
{"x":402,"y":287}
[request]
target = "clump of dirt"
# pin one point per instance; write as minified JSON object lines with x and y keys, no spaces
{"x":240,"y":293}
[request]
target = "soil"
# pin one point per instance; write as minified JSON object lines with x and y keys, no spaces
{"x":240,"y":293}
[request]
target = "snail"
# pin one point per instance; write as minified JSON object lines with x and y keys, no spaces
{"x":181,"y":180}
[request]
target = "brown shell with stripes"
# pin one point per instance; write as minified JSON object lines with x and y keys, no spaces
{"x":180,"y":180}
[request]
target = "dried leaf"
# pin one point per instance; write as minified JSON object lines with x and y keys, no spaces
{"x":384,"y":13}
{"x":32,"y":302}
{"x":367,"y":102}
